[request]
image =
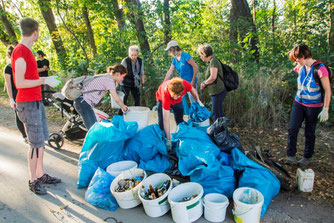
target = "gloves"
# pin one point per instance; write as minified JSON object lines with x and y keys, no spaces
{"x":200,"y":104}
{"x":323,"y":116}
{"x":168,"y":145}
{"x":53,"y":81}
{"x":12,"y":103}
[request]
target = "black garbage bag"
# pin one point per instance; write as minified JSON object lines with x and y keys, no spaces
{"x":219,"y":133}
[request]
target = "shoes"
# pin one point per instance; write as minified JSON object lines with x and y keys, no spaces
{"x":47,"y":179}
{"x":37,"y":188}
{"x":291,"y":160}
{"x":304,"y":161}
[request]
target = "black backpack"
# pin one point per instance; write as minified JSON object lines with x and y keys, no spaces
{"x":317,"y":78}
{"x":230,"y":77}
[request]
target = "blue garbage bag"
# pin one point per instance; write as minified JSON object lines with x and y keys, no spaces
{"x":255,"y":176}
{"x":98,"y":192}
{"x":198,"y":113}
{"x":147,"y":147}
{"x":103,"y":145}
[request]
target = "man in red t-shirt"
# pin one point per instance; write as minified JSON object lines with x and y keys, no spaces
{"x":30,"y":108}
{"x":169,"y":95}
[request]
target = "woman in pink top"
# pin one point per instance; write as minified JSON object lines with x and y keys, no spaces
{"x":95,"y":90}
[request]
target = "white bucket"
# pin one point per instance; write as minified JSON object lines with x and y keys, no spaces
{"x":160,"y":206}
{"x":114,"y":103}
{"x":205,"y":123}
{"x":247,"y":213}
{"x":100,"y":115}
{"x":305,"y":180}
{"x":215,"y":207}
{"x":117,"y":168}
{"x":127,"y":199}
{"x":137,"y":114}
{"x":187,"y":211}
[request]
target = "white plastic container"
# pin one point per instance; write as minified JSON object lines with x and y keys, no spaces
{"x":114,"y":103}
{"x":100,"y":115}
{"x":215,"y":206}
{"x":247,"y":213}
{"x":137,"y":114}
{"x":127,"y":199}
{"x":160,"y":206}
{"x":117,"y":168}
{"x":186,"y":211}
{"x":205,"y":123}
{"x":305,"y":180}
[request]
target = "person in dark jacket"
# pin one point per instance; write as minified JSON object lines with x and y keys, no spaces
{"x":43,"y":66}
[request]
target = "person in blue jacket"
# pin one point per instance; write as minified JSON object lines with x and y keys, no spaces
{"x":185,"y":65}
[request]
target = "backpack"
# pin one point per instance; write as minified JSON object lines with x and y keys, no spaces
{"x":317,"y":78}
{"x":230,"y":77}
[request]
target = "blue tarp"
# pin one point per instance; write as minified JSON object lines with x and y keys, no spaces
{"x":198,"y":113}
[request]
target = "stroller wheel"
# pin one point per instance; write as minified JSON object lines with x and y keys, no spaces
{"x":56,"y":140}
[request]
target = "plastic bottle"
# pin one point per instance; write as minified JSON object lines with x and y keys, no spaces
{"x":246,"y":196}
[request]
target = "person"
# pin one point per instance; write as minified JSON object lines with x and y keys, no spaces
{"x":135,"y":76}
{"x":169,"y":95}
{"x":12,"y":92}
{"x":30,"y":108}
{"x":43,"y":67}
{"x":95,"y":90}
{"x":213,"y":80}
{"x":186,"y":67}
{"x":308,"y":105}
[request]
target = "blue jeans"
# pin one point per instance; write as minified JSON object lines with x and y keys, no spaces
{"x":86,"y":111}
{"x":300,"y":113}
{"x":177,"y":110}
{"x":217,"y":105}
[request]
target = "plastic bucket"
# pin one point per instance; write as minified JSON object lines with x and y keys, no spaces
{"x":137,"y":114}
{"x":247,"y":213}
{"x":117,"y":168}
{"x":127,"y":199}
{"x":205,"y":123}
{"x":160,"y":206}
{"x":100,"y":115}
{"x":215,"y":207}
{"x":186,"y":211}
{"x":114,"y":103}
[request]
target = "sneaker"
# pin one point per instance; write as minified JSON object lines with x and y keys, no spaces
{"x":304,"y":161}
{"x":291,"y":160}
{"x":37,"y":188}
{"x":47,"y":179}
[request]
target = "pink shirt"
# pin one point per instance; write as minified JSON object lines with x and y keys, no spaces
{"x":102,"y":85}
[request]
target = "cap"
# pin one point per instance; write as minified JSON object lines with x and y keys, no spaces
{"x":171,"y":44}
{"x":40,"y":52}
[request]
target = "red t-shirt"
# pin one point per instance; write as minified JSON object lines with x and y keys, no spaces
{"x":165,"y":98}
{"x":26,"y":94}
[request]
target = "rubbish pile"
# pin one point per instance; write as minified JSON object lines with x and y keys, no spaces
{"x":156,"y":192}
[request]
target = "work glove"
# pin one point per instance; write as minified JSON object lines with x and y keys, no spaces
{"x":323,"y":116}
{"x":12,"y":103}
{"x":200,"y":104}
{"x":53,"y":81}
{"x":169,"y":145}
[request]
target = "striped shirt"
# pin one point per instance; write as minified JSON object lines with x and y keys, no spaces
{"x":99,"y":87}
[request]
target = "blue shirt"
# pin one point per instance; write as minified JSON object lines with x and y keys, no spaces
{"x":185,"y":70}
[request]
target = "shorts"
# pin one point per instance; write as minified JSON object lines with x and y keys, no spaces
{"x":32,"y":114}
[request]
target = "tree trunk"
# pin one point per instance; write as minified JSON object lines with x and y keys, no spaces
{"x":119,"y":14}
{"x":8,"y":27}
{"x":4,"y":37}
{"x":233,"y":32}
{"x":254,"y":11}
{"x":245,"y":25}
{"x":167,"y":27}
{"x":331,"y":27}
{"x":53,"y":30}
{"x":273,"y":18}
{"x":90,"y":33}
{"x":135,"y":17}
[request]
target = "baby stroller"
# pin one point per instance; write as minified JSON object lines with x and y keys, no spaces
{"x":73,"y":129}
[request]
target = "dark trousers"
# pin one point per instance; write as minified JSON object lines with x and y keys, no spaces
{"x":217,"y":105}
{"x":135,"y":95}
{"x":20,"y":126}
{"x":300,"y":113}
{"x":177,"y":110}
{"x":45,"y":93}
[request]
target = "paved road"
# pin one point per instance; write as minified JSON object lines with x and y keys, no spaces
{"x":65,"y":203}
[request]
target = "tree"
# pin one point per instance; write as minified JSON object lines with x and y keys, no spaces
{"x":8,"y":27}
{"x":53,"y":30}
{"x":273,"y":18}
{"x":331,"y":27}
{"x":167,"y":35}
{"x":90,"y":33}
{"x":4,"y":37}
{"x":119,"y":14}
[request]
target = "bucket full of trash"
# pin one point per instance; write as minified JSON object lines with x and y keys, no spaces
{"x":114,"y":103}
{"x":153,"y":194}
{"x":247,"y":205}
{"x":186,"y":202}
{"x":117,"y":168}
{"x":125,"y":188}
{"x":137,"y":114}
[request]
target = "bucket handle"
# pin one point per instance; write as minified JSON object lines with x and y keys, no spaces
{"x":216,"y":208}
